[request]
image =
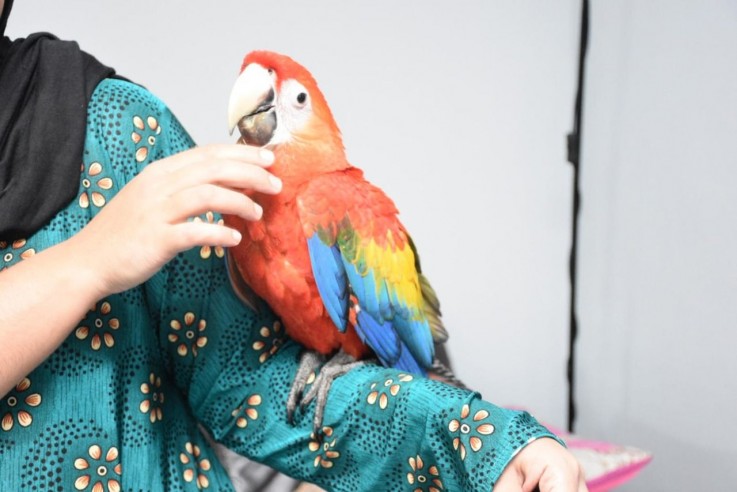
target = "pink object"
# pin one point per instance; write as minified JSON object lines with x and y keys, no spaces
{"x":605,"y":465}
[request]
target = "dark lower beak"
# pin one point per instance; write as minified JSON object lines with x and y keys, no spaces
{"x":258,"y":127}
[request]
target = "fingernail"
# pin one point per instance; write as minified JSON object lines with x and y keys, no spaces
{"x":275,"y":182}
{"x":266,"y":155}
{"x":259,"y":210}
{"x":237,"y":236}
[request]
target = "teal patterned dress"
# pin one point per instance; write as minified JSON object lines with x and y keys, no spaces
{"x":117,"y":405}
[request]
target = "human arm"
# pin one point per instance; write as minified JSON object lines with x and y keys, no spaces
{"x":65,"y":295}
{"x":131,"y":238}
{"x":546,"y":457}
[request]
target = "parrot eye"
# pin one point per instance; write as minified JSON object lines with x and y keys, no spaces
{"x":297,"y":103}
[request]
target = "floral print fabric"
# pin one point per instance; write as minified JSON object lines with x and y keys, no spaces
{"x":117,"y":406}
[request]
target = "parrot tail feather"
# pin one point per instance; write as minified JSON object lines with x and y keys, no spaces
{"x":242,"y":290}
{"x":446,"y":374}
{"x":431,"y":308}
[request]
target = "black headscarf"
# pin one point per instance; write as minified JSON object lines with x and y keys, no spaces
{"x":45,"y":85}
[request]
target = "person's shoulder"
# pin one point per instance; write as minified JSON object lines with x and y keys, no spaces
{"x":128,"y":127}
{"x":121,"y":95}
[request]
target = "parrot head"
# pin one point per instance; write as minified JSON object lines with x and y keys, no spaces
{"x":276,"y":103}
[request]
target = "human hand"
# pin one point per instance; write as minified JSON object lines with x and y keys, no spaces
{"x":146,"y":223}
{"x":542,"y":465}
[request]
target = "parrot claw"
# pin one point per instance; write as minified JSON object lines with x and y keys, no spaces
{"x":338,"y":365}
{"x":307,"y":365}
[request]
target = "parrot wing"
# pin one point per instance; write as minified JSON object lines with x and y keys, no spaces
{"x":365,"y":268}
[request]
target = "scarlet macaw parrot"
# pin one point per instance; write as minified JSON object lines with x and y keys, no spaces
{"x":329,"y":256}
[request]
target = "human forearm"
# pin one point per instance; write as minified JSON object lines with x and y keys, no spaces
{"x":383,"y":430}
{"x":41,"y":301}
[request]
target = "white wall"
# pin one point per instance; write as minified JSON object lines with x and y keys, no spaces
{"x":459,"y":111}
{"x":658,"y":272}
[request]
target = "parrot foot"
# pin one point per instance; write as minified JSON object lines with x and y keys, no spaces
{"x":308,"y":362}
{"x":338,"y":365}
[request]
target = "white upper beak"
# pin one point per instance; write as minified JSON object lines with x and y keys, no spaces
{"x":251,"y":89}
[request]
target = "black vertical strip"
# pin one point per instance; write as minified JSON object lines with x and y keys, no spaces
{"x":574,"y":157}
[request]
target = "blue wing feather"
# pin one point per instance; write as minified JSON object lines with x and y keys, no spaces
{"x":330,"y":278}
{"x":407,"y":362}
{"x":370,"y":299}
{"x":385,"y":305}
{"x":415,"y":334}
{"x":380,"y":337}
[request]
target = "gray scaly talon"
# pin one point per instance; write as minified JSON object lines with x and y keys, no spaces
{"x":338,"y":365}
{"x":308,"y":362}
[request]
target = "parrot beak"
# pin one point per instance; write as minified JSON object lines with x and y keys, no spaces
{"x":251,"y":106}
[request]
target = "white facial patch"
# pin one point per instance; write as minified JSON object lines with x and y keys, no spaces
{"x":293,"y":109}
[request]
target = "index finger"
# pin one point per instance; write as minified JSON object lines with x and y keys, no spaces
{"x":225,"y":152}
